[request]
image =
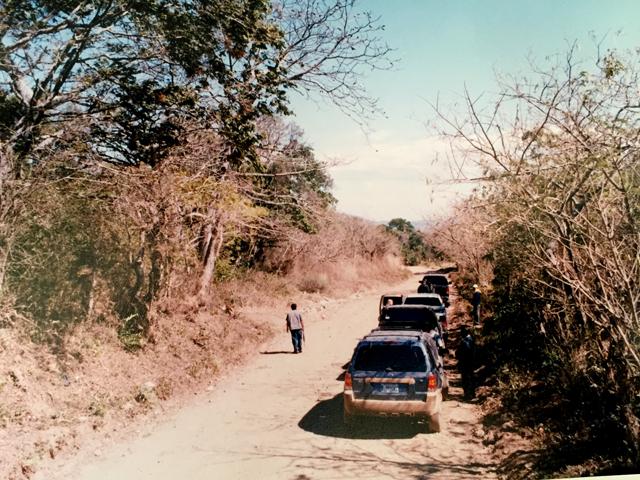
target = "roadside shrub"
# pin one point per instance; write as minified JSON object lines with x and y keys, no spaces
{"x":412,"y":243}
{"x":58,"y":253}
{"x":560,"y":222}
{"x":314,"y":283}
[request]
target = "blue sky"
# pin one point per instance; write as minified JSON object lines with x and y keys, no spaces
{"x":441,"y":46}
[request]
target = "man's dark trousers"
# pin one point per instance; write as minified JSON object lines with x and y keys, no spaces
{"x":296,"y":339}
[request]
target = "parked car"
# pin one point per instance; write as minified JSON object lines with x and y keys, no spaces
{"x":435,"y":283}
{"x":433,"y":301}
{"x":394,"y":373}
{"x":413,"y":317}
{"x":395,"y":298}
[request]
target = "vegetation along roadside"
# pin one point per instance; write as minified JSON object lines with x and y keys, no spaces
{"x":152,"y":191}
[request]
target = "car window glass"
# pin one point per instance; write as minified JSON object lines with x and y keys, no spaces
{"x":431,"y":301}
{"x":395,"y":299}
{"x":390,"y":358}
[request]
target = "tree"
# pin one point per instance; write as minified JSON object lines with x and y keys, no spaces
{"x":328,"y":44}
{"x":560,"y":156}
{"x":126,"y":76}
{"x":414,"y":248}
{"x":133,"y":77}
{"x":465,"y":237}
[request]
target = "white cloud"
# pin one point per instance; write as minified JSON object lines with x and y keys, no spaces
{"x":383,"y":178}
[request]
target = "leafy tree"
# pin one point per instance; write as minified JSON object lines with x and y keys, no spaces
{"x":127,"y":81}
{"x":413,"y":247}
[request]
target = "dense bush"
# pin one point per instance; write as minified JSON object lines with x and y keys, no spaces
{"x":561,"y":232}
{"x":412,"y":243}
{"x":143,"y":155}
{"x":97,"y":243}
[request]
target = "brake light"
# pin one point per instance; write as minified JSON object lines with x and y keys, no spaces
{"x":348,"y":384}
{"x":432,"y":382}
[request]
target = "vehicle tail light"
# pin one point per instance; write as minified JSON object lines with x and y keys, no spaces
{"x":432,"y":382}
{"x":348,"y":384}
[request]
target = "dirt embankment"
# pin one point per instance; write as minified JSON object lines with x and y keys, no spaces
{"x":279,"y":416}
{"x":92,"y":392}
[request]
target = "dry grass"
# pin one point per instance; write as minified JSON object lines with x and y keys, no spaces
{"x":53,"y":404}
{"x":340,"y":277}
{"x":52,"y":401}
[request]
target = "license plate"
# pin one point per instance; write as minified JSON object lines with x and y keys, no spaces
{"x":389,"y":388}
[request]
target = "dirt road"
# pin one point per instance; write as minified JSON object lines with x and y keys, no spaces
{"x":280,"y":417}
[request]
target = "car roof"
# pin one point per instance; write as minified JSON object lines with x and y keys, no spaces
{"x":393,"y":335}
{"x":423,"y":295}
{"x":434,"y":276}
{"x":404,"y":306}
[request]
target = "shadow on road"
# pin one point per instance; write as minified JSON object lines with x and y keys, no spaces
{"x":325,"y":418}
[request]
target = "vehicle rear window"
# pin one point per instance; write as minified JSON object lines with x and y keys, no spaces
{"x":397,"y":300}
{"x":437,"y":279}
{"x":431,"y":301}
{"x":390,"y":358}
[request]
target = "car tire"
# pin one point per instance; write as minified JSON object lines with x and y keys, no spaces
{"x":433,"y":423}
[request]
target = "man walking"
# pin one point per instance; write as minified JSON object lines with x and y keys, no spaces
{"x":475,"y":303}
{"x":296,"y":327}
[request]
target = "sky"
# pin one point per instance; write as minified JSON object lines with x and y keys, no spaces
{"x":395,"y":167}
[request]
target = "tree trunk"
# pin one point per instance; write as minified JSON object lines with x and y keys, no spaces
{"x":155,"y":276}
{"x":6,"y":207}
{"x":214,"y":236}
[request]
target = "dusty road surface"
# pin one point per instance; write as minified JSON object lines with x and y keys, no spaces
{"x":280,"y":417}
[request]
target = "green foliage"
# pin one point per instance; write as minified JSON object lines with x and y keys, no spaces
{"x":131,"y":341}
{"x":52,"y":268}
{"x":74,"y":257}
{"x":400,"y":225}
{"x":145,"y":120}
{"x":413,"y":247}
{"x":133,"y":70}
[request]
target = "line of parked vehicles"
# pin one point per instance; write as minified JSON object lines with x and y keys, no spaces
{"x":397,"y":369}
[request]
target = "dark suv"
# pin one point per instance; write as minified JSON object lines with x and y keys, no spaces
{"x":394,"y":373}
{"x":433,"y":301}
{"x":413,"y":317}
{"x":435,"y":283}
